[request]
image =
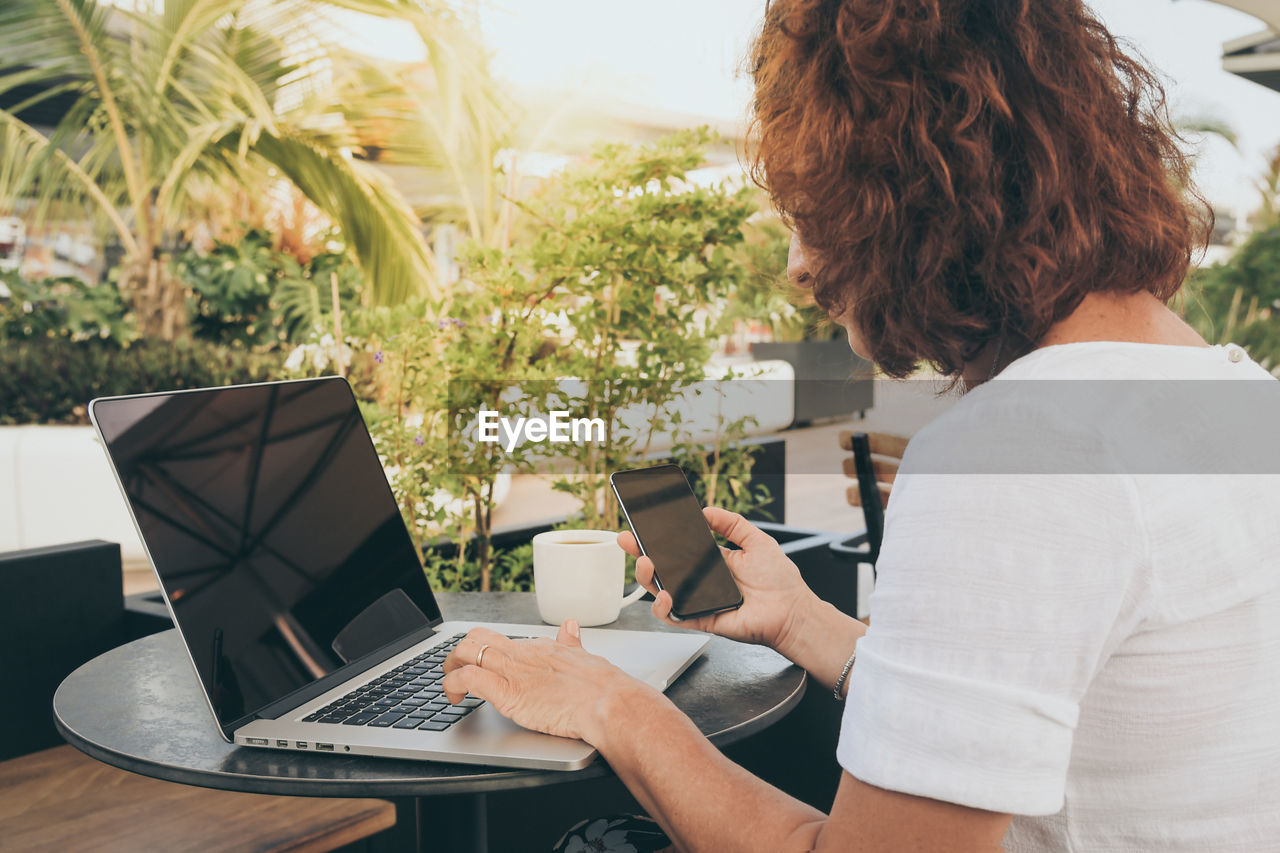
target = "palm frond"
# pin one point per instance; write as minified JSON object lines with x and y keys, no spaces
{"x":87,"y":20}
{"x":39,"y":44}
{"x":449,"y":116}
{"x":376,"y":224}
{"x":28,"y":157}
{"x":182,"y":22}
{"x":1209,"y":126}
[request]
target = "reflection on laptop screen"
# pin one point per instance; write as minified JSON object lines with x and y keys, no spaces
{"x":274,"y":532}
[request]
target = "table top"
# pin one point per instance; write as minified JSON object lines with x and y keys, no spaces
{"x":140,"y":707}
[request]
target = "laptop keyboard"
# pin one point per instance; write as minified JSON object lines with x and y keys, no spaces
{"x":407,"y":697}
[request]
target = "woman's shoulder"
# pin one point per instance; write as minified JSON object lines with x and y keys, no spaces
{"x":1133,"y":360}
{"x":1098,"y":407}
{"x":1005,"y":428}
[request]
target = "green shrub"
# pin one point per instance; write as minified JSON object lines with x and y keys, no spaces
{"x":1239,"y":301}
{"x":64,"y":308}
{"x":512,"y":570}
{"x":620,"y":287}
{"x":254,"y":294}
{"x":51,"y":381}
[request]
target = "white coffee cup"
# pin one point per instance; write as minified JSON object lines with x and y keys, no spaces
{"x":579,"y":574}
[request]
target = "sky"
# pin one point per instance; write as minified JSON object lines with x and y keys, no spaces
{"x":685,"y":56}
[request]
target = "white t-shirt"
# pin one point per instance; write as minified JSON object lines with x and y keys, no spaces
{"x":1094,"y":648}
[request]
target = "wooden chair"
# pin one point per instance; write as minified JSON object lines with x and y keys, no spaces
{"x":874,"y":464}
{"x":63,"y":606}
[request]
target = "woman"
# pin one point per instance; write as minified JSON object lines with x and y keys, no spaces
{"x":1081,"y":659}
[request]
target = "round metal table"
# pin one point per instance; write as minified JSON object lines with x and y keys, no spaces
{"x":140,"y":707}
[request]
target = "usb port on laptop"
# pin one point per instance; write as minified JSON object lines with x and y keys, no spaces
{"x":325,"y":747}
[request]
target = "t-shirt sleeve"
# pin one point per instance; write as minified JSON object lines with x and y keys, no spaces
{"x":998,"y":598}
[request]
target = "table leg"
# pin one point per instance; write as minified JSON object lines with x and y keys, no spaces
{"x":449,"y":824}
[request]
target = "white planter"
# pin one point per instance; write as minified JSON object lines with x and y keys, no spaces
{"x":56,"y":486}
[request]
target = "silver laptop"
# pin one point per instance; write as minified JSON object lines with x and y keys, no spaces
{"x":296,"y":587}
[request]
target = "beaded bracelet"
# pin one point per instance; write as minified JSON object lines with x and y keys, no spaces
{"x":844,"y":673}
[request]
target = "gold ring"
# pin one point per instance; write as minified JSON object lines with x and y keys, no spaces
{"x":480,"y":656}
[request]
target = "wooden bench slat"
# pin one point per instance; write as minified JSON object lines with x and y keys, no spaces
{"x":886,"y":470}
{"x":854,"y":494}
{"x":881,"y":443}
{"x":60,"y":799}
{"x":887,"y":444}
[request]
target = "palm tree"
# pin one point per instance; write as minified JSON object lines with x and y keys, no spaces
{"x":442,"y":123}
{"x":221,"y":92}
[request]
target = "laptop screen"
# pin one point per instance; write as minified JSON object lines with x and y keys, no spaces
{"x":274,"y":532}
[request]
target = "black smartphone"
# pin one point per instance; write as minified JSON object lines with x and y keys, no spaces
{"x":667,"y":520}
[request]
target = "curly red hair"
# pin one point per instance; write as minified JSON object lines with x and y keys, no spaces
{"x":966,"y":171}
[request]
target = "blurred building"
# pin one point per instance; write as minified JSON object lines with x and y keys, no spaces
{"x":1256,"y":57}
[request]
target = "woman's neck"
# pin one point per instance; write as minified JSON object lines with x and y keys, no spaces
{"x":1134,"y":318}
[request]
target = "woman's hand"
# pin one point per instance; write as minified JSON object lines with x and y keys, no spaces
{"x":552,"y":686}
{"x":773,"y":593}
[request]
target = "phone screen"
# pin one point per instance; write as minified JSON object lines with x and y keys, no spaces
{"x":667,"y":520}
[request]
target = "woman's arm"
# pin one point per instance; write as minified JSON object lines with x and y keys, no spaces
{"x":703,"y":800}
{"x":706,"y":802}
{"x":821,"y":639}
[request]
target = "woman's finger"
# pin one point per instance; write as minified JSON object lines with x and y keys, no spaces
{"x":627,"y":542}
{"x":661,"y":604}
{"x":662,"y":609}
{"x":570,"y":634}
{"x":735,"y":528}
{"x":481,"y":683}
{"x":467,"y":652}
{"x":731,"y":558}
{"x":644,"y":574}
